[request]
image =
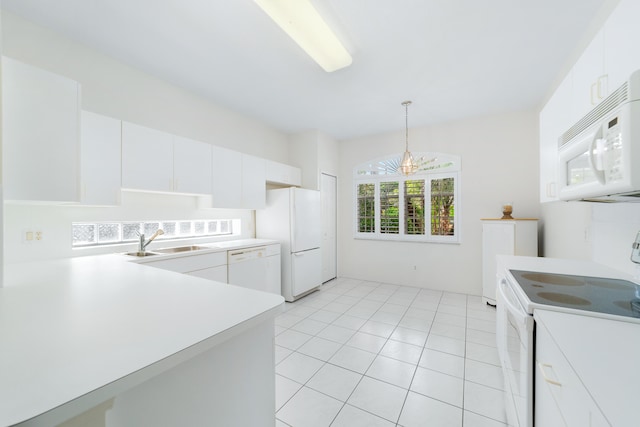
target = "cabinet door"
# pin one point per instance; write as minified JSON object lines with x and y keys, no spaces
{"x":589,"y":80}
{"x":621,"y":32}
{"x":226,"y":178}
{"x":41,"y":134}
{"x":572,"y":398}
{"x":554,"y":121}
{"x":546,"y":409}
{"x":279,"y":173}
{"x":254,"y":190}
{"x":191,"y":166}
{"x":218,"y":274}
{"x":100,"y":159}
{"x":147,"y":158}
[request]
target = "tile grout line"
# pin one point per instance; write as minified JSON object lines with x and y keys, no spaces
{"x":387,"y":337}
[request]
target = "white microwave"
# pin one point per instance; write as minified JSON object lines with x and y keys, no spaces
{"x":599,"y":156}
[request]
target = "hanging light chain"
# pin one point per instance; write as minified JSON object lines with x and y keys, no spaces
{"x":406,"y":123}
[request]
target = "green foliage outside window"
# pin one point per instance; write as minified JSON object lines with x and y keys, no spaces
{"x":442,"y":207}
{"x":389,"y":207}
{"x":366,"y":208}
{"x":414,"y":206}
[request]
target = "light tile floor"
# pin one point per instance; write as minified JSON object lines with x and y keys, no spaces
{"x":358,"y":353}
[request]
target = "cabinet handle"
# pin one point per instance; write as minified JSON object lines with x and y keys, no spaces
{"x":602,"y":81}
{"x":551,"y":189}
{"x":544,"y":375}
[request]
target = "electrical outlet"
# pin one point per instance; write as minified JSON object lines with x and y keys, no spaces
{"x":38,"y":235}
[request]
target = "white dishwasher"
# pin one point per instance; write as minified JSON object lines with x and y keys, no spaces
{"x":256,"y":268}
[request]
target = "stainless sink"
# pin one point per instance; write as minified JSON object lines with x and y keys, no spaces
{"x":180,"y":249}
{"x":140,"y":254}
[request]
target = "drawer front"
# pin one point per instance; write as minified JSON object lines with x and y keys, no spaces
{"x":219,"y":274}
{"x":574,"y":401}
{"x":190,"y":263}
{"x":273,"y":249}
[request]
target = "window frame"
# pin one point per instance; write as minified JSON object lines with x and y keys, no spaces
{"x":376,"y":172}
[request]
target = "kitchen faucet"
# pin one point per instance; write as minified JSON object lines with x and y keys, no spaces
{"x":142,"y":244}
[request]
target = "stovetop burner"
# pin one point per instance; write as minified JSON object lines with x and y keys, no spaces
{"x":596,"y":294}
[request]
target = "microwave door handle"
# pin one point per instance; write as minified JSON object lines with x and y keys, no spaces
{"x":598,"y":173}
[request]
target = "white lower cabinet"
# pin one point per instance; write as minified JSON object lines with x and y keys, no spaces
{"x":561,"y":399}
{"x":212,"y":266}
{"x":218,"y":274}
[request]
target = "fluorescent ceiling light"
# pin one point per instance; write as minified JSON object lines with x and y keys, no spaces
{"x":301,"y":21}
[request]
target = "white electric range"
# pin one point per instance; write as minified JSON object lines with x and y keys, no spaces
{"x":525,"y":284}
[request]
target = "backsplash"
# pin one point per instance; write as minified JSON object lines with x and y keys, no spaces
{"x":54,"y":223}
{"x":613,"y":230}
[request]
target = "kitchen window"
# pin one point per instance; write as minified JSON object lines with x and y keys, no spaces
{"x":85,"y":234}
{"x":422,"y":207}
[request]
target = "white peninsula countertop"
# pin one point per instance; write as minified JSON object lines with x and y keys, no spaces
{"x":78,"y":331}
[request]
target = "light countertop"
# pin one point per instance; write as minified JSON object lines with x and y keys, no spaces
{"x":78,"y":331}
{"x":211,"y":247}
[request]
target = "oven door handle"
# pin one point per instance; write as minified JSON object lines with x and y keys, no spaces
{"x":514,"y":307}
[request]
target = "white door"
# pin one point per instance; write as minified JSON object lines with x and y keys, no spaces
{"x":306,"y":271}
{"x":328,"y":191}
{"x":306,"y":220}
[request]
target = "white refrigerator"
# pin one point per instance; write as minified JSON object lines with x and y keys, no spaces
{"x":293,"y":217}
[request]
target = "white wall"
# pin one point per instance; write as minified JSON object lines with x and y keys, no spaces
{"x":567,"y":230}
{"x":55,"y":224}
{"x":112,"y":88}
{"x":315,"y":153}
{"x":499,"y":156}
{"x":601,"y":232}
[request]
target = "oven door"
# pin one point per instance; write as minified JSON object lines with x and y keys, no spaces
{"x":515,"y":347}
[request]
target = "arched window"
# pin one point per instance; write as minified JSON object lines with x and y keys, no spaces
{"x":424,"y":206}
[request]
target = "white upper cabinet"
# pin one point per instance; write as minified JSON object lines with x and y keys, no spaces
{"x":254,"y":194}
{"x":191,"y":166}
{"x":41,"y":134}
{"x":606,"y":63}
{"x":621,"y":34}
{"x":226,"y":191}
{"x":100,"y":170}
{"x":279,"y":173}
{"x":147,"y":158}
{"x":153,"y":160}
{"x":589,"y":79}
{"x":238,"y":180}
{"x":553,"y":121}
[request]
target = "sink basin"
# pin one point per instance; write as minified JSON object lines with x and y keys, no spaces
{"x":140,"y":254}
{"x":180,"y":249}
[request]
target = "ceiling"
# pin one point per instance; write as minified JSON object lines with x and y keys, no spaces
{"x":454,"y":59}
